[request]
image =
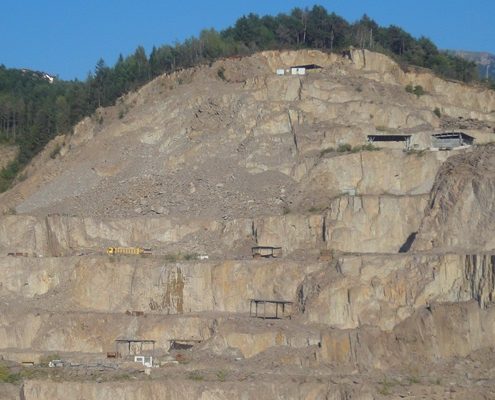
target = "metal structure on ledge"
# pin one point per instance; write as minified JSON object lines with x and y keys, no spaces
{"x":277,"y":303}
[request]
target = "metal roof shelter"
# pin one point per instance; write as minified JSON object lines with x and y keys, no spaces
{"x":391,"y":139}
{"x":307,"y":66}
{"x":266,"y":251}
{"x":449,"y":140}
{"x":301,"y":69}
{"x":134,"y":346}
{"x":277,"y":303}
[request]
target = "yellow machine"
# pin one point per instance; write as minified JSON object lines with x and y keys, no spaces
{"x":128,"y":250}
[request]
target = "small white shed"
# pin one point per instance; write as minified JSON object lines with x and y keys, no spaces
{"x":298,"y":71}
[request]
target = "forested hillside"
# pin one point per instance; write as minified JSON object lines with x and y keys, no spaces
{"x":33,"y":110}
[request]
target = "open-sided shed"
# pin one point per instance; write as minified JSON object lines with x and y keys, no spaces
{"x":301,"y":69}
{"x":450,"y":140}
{"x":394,"y":141}
{"x":132,"y":347}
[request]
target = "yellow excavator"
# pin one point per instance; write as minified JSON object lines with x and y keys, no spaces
{"x":128,"y":250}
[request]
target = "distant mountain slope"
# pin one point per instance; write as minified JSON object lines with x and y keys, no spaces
{"x":484,"y":60}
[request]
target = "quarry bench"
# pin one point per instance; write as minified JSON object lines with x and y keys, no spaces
{"x":266,"y":251}
{"x":277,"y":303}
{"x":18,"y":254}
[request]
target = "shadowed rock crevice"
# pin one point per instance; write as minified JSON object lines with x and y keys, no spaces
{"x":408,"y":243}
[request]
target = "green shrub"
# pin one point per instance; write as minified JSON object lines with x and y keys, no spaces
{"x":195,"y":376}
{"x":437,"y":112}
{"x":123,"y":109}
{"x":356,"y":149}
{"x":56,"y":151}
{"x":8,"y":377}
{"x":11,"y":211}
{"x":28,"y":373}
{"x":369,"y":147}
{"x":190,"y":256}
{"x":175,"y":257}
{"x":222,"y":375}
{"x":385,"y":387}
{"x":417,"y":90}
{"x":122,"y":377}
{"x":418,"y":153}
{"x":10,"y":171}
{"x":8,"y":174}
{"x":171,"y":257}
{"x":382,"y":128}
{"x":221,"y":73}
{"x":343,"y":147}
{"x":4,"y":139}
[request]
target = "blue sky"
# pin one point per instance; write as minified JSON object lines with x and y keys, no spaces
{"x":67,"y":37}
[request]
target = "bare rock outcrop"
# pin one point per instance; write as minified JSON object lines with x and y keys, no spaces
{"x":352,"y":292}
{"x":460,"y":213}
{"x":347,"y":223}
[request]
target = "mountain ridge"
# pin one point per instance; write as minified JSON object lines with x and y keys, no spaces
{"x":484,"y":60}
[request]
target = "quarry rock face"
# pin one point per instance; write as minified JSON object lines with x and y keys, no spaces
{"x":190,"y":144}
{"x":460,"y":210}
{"x":382,"y":281}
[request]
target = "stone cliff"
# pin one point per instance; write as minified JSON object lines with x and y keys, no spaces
{"x":460,"y":212}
